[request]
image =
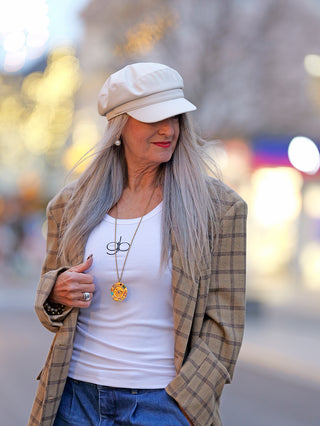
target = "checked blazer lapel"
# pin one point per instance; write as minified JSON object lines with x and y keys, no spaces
{"x":184,"y":291}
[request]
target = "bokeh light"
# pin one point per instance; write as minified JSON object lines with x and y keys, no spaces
{"x":85,"y":136}
{"x":274,"y":208}
{"x":36,"y":116}
{"x":14,"y":41}
{"x":312,"y":65}
{"x":312,"y":202}
{"x":304,"y":155}
{"x":310,"y":265}
{"x":277,"y":196}
{"x":24,"y":28}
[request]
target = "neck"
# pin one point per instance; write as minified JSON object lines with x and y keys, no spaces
{"x":140,"y":185}
{"x":142,"y":180}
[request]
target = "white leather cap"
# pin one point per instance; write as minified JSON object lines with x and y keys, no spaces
{"x":148,"y":92}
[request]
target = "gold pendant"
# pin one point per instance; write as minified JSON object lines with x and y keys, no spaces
{"x":119,"y":291}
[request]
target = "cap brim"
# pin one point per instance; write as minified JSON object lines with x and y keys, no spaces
{"x":162,"y":110}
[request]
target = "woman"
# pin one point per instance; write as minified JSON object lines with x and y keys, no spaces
{"x":144,"y":277}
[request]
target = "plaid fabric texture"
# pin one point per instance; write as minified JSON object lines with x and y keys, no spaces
{"x":209,"y":318}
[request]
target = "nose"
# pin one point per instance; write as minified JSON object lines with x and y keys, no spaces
{"x":166,"y":127}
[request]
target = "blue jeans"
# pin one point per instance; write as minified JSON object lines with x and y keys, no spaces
{"x":88,"y":404}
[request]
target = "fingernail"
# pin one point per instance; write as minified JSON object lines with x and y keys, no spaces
{"x":89,"y":257}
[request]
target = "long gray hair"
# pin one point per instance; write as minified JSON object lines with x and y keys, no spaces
{"x":190,"y":208}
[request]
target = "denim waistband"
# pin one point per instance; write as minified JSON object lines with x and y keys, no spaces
{"x":133,"y":391}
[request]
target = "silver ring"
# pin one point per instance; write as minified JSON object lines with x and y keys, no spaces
{"x":86,"y":296}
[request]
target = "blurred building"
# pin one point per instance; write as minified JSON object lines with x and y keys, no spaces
{"x":243,"y":62}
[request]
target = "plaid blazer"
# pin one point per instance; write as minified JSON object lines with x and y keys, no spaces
{"x":209,"y":317}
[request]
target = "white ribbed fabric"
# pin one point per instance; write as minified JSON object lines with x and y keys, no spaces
{"x":130,"y":343}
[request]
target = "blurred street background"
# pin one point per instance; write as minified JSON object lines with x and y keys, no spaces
{"x":253,"y":70}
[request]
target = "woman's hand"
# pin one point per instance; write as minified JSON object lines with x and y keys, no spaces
{"x":71,"y":284}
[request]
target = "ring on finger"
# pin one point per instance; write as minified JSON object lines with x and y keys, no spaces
{"x":86,"y":296}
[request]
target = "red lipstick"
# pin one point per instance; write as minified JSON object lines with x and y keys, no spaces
{"x":165,"y":144}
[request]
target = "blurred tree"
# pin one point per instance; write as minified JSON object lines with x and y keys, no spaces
{"x":36,"y":114}
{"x":242,"y":61}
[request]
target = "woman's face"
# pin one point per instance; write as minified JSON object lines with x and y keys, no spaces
{"x":150,"y":144}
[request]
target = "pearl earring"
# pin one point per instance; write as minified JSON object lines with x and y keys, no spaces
{"x":117,"y":142}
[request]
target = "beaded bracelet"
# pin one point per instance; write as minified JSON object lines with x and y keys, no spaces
{"x":53,"y":308}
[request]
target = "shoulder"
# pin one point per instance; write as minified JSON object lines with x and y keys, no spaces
{"x":223,"y":196}
{"x":61,"y":199}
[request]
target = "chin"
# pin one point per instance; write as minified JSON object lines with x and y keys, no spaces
{"x":165,"y":158}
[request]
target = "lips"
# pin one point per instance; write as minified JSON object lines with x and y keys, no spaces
{"x":163,"y":144}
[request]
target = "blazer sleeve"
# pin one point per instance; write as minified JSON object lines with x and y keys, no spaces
{"x":50,"y":270}
{"x":215,"y":347}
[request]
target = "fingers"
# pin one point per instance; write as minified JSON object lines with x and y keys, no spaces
{"x":82,"y":267}
{"x":77,"y":299}
{"x":73,"y":297}
{"x":84,"y":298}
{"x":80,"y":289}
{"x":81,"y":303}
{"x":71,"y":284}
{"x":78,"y":277}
